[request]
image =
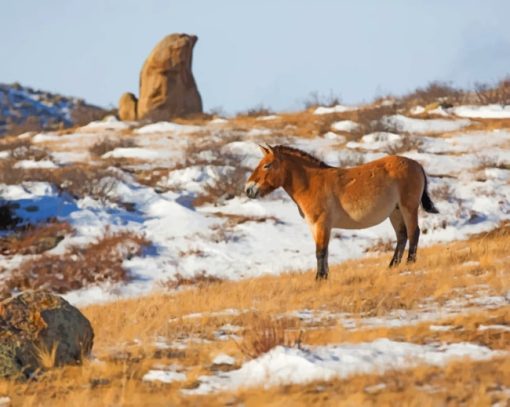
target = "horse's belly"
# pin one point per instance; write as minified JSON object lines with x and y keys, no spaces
{"x":363,"y":216}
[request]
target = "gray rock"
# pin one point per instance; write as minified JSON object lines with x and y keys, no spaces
{"x":35,"y":321}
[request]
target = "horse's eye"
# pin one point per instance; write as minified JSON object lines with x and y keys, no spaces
{"x":268,"y":165}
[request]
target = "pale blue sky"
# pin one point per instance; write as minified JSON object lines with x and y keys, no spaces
{"x":270,"y":52}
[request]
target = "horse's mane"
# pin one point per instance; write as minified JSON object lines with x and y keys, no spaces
{"x":295,"y":152}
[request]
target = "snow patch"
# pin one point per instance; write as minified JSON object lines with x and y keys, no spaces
{"x":164,"y":376}
{"x":283,"y":365}
{"x":32,"y":164}
{"x":167,"y":127}
{"x":483,"y":112}
{"x":377,"y":141}
{"x":334,"y":109}
{"x":345,"y":125}
{"x":411,"y":125}
{"x":223,"y":359}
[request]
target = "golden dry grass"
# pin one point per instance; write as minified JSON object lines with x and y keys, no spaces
{"x":126,"y":332}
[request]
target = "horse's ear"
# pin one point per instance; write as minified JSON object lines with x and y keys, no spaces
{"x":265,"y":149}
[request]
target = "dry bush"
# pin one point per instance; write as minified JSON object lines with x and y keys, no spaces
{"x":227,"y":188}
{"x":79,"y":266}
{"x":32,"y":123}
{"x":371,"y":119}
{"x":234,"y":220}
{"x":315,"y":99}
{"x":444,"y":192}
{"x":84,"y":180}
{"x":107,"y":144}
{"x":217,"y":111}
{"x":12,"y":143}
{"x":381,"y":245}
{"x":442,"y":92}
{"x":352,"y":159}
{"x":35,"y":239}
{"x":408,"y":143}
{"x":84,"y":113}
{"x":151,"y":177}
{"x":263,"y":333}
{"x":22,"y":149}
{"x":79,"y":180}
{"x":199,"y":280}
{"x":207,"y":152}
{"x":498,"y":94}
{"x":257,"y":111}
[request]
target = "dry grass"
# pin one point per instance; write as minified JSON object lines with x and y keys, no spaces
{"x":125,"y":331}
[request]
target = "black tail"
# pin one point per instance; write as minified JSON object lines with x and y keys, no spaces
{"x":426,"y":202}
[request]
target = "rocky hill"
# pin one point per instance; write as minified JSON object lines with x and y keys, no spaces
{"x":25,"y":109}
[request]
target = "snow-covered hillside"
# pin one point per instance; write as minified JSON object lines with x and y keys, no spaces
{"x":24,"y":108}
{"x":156,"y":173}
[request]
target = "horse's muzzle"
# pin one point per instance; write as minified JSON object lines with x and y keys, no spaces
{"x":252,"y":190}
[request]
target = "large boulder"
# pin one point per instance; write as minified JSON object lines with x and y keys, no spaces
{"x":35,"y":323}
{"x":167,"y":86}
{"x":127,"y":107}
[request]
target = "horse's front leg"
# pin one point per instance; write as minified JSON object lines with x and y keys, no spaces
{"x":322,"y":264}
{"x":321,"y":235}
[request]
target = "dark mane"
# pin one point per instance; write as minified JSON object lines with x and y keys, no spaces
{"x":294,"y":152}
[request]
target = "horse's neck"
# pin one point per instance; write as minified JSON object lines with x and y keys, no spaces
{"x":297,"y":181}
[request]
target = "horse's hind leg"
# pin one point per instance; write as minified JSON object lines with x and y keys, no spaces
{"x":397,"y":221}
{"x":410,"y":216}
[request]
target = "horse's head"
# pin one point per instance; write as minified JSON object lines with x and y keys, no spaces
{"x":268,"y":175}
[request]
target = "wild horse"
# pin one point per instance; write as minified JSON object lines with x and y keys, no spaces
{"x":350,"y":198}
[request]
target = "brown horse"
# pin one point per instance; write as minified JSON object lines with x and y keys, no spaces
{"x":350,"y":198}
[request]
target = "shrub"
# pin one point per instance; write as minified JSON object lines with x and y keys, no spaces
{"x":34,"y":239}
{"x":79,"y":266}
{"x":315,"y":99}
{"x":408,"y":143}
{"x":107,"y":144}
{"x":79,"y":180}
{"x":263,"y":333}
{"x":499,"y":94}
{"x":257,"y":111}
{"x":227,"y":188}
{"x":435,"y":92}
{"x":200,"y":280}
{"x":370,"y":120}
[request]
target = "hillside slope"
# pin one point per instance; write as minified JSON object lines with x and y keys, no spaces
{"x":25,"y":109}
{"x":200,"y":295}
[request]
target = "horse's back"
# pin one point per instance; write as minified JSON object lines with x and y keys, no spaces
{"x":368,"y":193}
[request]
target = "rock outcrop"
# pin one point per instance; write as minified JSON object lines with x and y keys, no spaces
{"x":127,"y":107}
{"x":35,"y":323}
{"x":167,"y":86}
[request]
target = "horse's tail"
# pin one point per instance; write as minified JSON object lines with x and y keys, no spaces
{"x":426,"y":202}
